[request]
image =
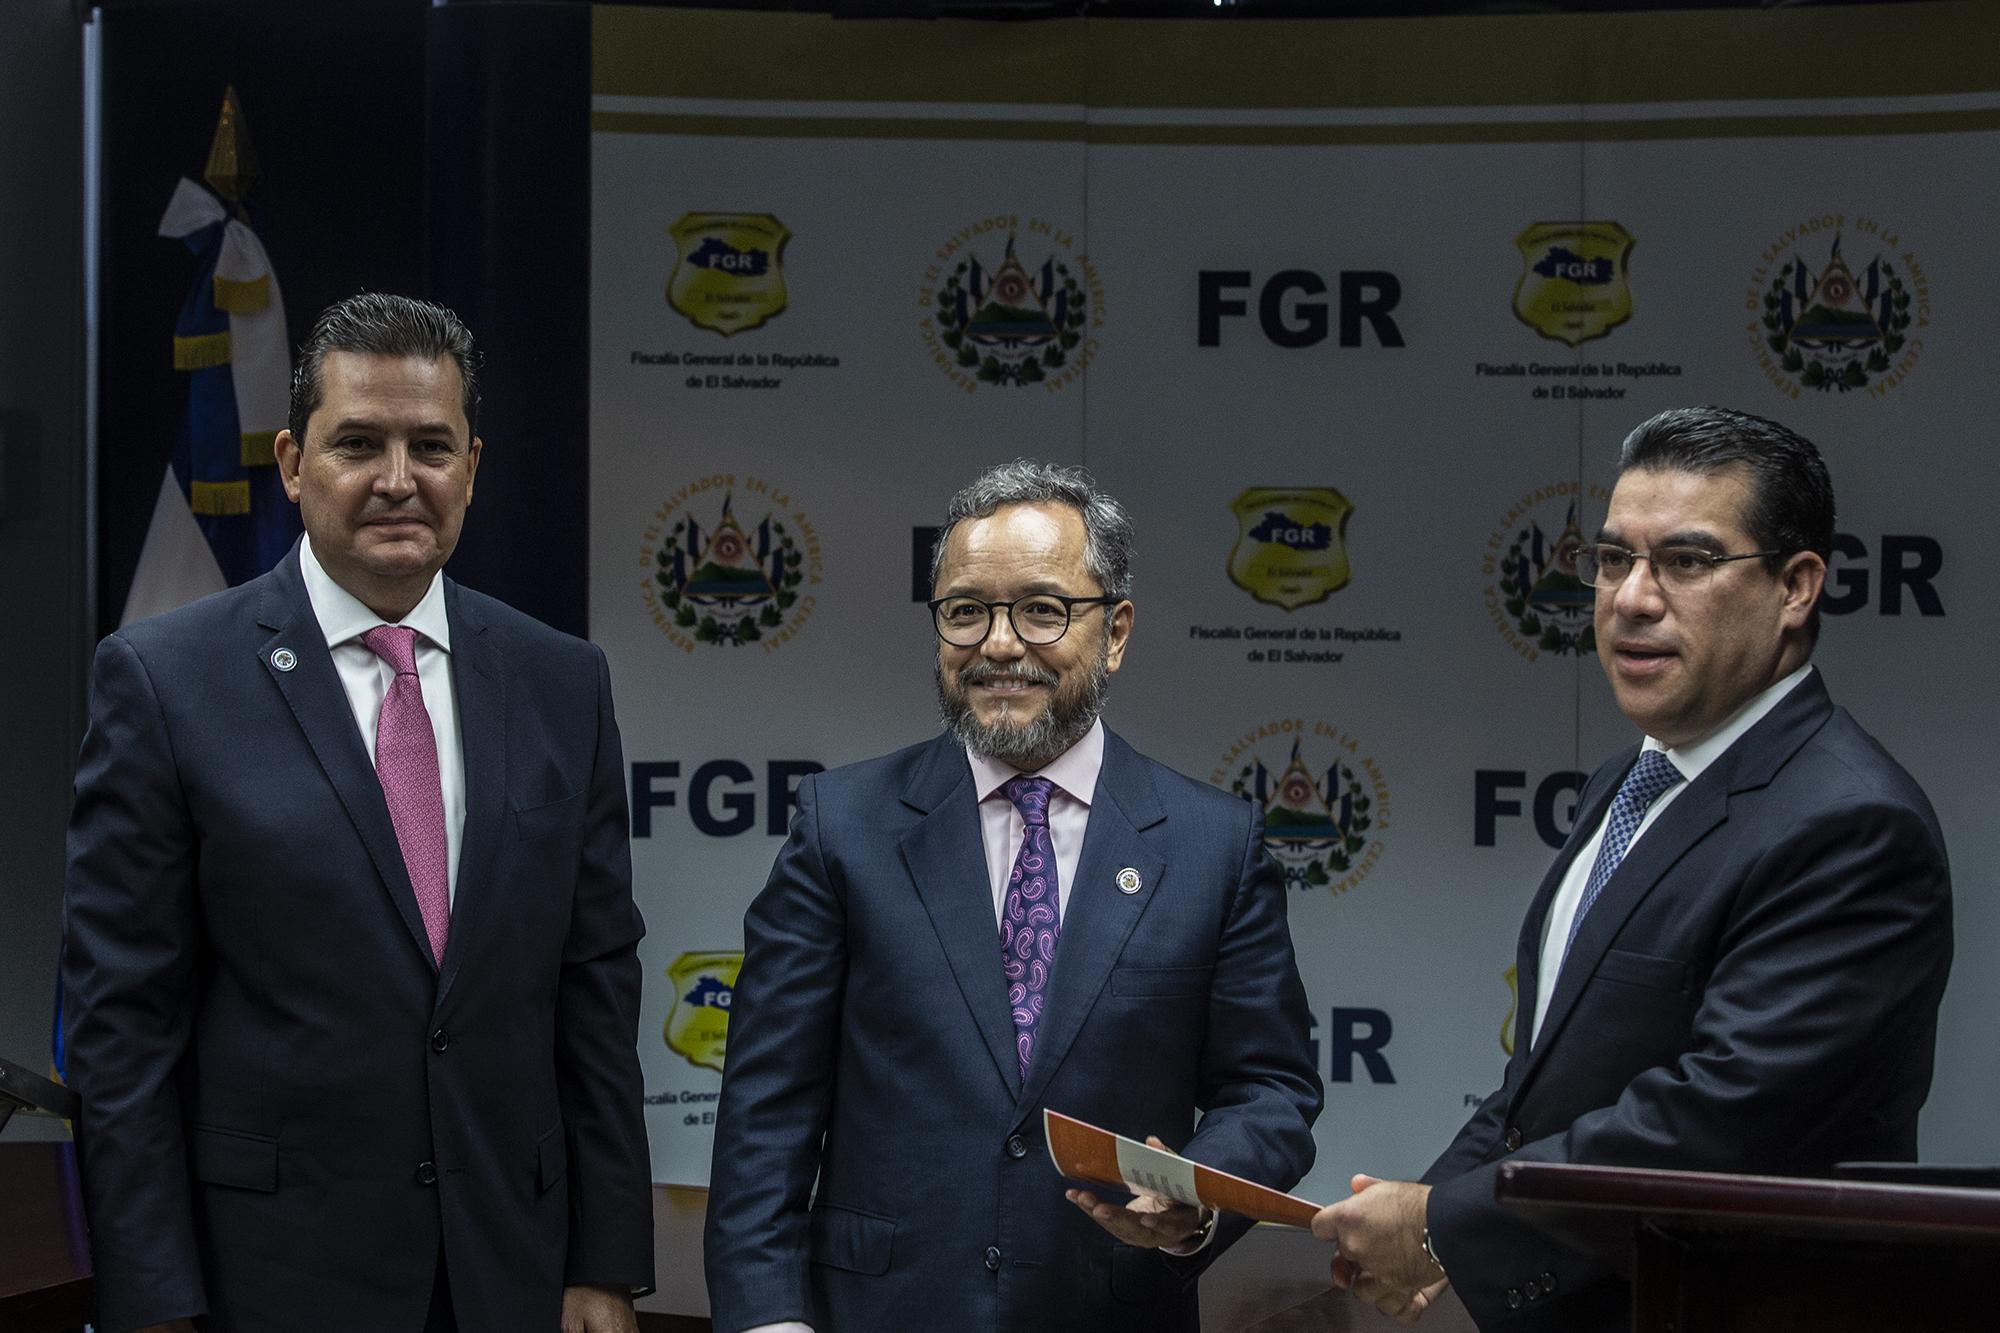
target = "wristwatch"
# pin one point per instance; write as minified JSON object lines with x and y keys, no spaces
{"x":1430,"y":1253}
{"x":1204,"y":1231}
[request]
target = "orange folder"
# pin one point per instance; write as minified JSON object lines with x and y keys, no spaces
{"x":1096,"y":1156}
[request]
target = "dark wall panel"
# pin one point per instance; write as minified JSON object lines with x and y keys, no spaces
{"x":333,"y":94}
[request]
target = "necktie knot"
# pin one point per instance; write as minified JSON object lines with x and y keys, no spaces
{"x":396,"y":645}
{"x":1644,"y":784}
{"x":1031,"y":797}
{"x":1649,"y":779}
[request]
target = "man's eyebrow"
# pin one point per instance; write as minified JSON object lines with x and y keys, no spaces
{"x":372,"y":427}
{"x":1686,"y":537}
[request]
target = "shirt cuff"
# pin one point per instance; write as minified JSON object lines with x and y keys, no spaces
{"x":1198,"y":1242}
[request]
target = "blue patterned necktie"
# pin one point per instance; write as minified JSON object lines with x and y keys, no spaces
{"x":1646,"y":783}
{"x":1030,"y":919}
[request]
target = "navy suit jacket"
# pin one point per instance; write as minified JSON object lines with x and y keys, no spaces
{"x":287,"y":1107}
{"x":1755,"y":990}
{"x":871,"y":1046}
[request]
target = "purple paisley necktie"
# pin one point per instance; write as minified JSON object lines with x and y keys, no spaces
{"x":406,"y":761}
{"x":1030,"y":919}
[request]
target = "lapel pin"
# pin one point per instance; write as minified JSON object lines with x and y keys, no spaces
{"x":284,"y":659}
{"x":1128,"y":880}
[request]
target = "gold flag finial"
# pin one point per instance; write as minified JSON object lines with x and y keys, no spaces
{"x":232,"y":166}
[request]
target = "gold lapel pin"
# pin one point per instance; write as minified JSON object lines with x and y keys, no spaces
{"x":1128,"y":880}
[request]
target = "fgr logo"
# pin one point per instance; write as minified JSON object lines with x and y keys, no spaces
{"x":697,"y":1027}
{"x":721,"y":794}
{"x":1497,"y":794}
{"x":1905,"y":564}
{"x":1355,"y":1037}
{"x":1291,"y":310}
{"x":729,"y":271}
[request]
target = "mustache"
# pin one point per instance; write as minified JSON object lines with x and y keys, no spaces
{"x":982,"y":673}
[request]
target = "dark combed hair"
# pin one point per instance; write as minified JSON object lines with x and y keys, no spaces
{"x":374,"y":324}
{"x":1791,"y":494}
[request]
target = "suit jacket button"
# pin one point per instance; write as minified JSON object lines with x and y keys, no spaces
{"x":439,"y":1040}
{"x":1512,"y":1143}
{"x":992,"y":1258}
{"x":1513,"y":1298}
{"x":1532,"y":1289}
{"x":1017,"y":1147}
{"x":427,"y":1173}
{"x":1548,"y":1284}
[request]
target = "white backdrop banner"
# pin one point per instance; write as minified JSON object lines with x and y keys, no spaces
{"x":1352,"y":315}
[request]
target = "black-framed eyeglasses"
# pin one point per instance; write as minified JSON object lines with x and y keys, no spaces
{"x":1605,"y":565}
{"x":1039,"y":619}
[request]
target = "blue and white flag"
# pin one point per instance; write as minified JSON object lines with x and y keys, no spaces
{"x":222,"y":516}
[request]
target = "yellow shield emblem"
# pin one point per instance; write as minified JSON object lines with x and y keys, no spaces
{"x":1291,"y":544}
{"x":728,"y":269}
{"x":1572,"y":286}
{"x":698,"y":1025}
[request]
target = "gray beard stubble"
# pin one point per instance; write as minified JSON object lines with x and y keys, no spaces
{"x":1032,"y":744}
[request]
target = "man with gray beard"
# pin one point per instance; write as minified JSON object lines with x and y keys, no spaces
{"x":1020,"y":913}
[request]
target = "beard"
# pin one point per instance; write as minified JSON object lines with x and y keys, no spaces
{"x":1030,"y":745}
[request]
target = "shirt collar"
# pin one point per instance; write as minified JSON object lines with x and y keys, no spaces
{"x":342,"y":616}
{"x":1692,"y":759}
{"x":1074,"y":770}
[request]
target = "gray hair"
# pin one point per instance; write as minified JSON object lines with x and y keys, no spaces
{"x":374,"y":324}
{"x":1107,"y":528}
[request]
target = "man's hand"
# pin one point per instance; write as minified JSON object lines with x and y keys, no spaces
{"x":1380,"y":1232}
{"x":1146,"y":1221}
{"x":598,"y":1310}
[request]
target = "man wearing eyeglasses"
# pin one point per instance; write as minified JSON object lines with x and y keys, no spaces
{"x":1021,"y":913}
{"x":1736,"y":961}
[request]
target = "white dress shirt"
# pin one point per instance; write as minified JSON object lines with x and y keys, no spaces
{"x":1691,"y":760}
{"x":343,"y":620}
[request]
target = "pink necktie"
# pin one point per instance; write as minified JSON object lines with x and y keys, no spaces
{"x":406,"y":761}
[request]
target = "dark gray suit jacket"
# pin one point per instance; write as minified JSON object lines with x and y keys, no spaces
{"x":287,"y":1108}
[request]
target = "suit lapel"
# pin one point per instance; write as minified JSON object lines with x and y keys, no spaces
{"x":312,"y":689}
{"x":1748,"y":764}
{"x":1528,"y":954}
{"x":479,"y":676}
{"x":946,"y":860}
{"x":1099,"y":917}
{"x":1691,"y":817}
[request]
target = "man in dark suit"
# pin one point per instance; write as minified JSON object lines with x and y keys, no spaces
{"x":1021,"y":913}
{"x":350,"y":947}
{"x":1735,"y":963}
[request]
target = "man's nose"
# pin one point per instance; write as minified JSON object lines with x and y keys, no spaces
{"x":1639,"y":596}
{"x":394,"y":476}
{"x":1002,"y":644}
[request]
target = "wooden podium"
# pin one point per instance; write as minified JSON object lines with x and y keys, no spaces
{"x":1729,"y":1254}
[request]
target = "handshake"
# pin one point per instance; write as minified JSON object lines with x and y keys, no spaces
{"x":1384,"y":1253}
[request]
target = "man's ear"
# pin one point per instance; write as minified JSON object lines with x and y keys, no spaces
{"x":290,"y":453}
{"x":1802,"y":579}
{"x":1119,"y":634}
